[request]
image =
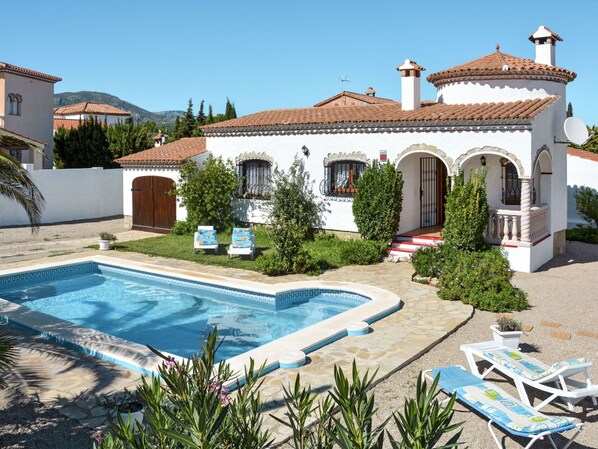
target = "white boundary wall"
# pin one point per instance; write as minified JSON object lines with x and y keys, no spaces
{"x":580,"y":172}
{"x":71,"y":194}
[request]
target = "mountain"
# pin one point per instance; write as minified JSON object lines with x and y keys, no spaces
{"x":138,"y":114}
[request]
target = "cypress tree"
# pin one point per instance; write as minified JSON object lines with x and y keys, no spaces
{"x":569,"y":110}
{"x":210,"y":117}
{"x":201,"y":116}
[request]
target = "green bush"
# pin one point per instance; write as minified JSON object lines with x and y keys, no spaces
{"x":466,"y":213}
{"x":207,"y":192}
{"x":431,"y":261}
{"x":481,"y":279}
{"x":378,"y":202}
{"x":305,"y":263}
{"x":183,"y":228}
{"x":586,"y":202}
{"x":360,"y":252}
{"x":271,"y":264}
{"x":293,"y":211}
{"x":583,"y":234}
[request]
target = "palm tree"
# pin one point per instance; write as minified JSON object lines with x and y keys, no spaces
{"x":16,"y":184}
{"x":8,"y":354}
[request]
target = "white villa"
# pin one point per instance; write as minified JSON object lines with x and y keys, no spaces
{"x":26,"y":115}
{"x":499,"y":111}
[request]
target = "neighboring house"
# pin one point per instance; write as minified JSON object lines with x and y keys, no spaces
{"x":71,"y":115}
{"x":149,"y":176}
{"x":582,"y":170}
{"x":26,"y":115}
{"x":499,"y":111}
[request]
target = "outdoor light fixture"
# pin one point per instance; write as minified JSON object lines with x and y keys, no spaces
{"x":483,"y":161}
{"x":305,"y":151}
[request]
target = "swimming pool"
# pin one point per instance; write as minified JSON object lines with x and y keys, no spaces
{"x":112,"y":303}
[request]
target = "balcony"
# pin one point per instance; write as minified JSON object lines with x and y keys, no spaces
{"x":504,"y":226}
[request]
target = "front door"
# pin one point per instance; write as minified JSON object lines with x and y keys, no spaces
{"x":154,"y":209}
{"x":432,"y":191}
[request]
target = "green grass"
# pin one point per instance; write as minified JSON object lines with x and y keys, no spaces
{"x":181,"y":247}
{"x":327,"y":250}
{"x":583,"y":234}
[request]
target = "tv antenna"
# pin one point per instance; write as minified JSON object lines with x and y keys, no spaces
{"x":343,"y":79}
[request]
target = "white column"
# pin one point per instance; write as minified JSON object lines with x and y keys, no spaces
{"x":526,"y":203}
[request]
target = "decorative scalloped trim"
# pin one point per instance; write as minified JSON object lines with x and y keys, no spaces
{"x":489,"y":150}
{"x":337,"y":157}
{"x":252,"y":155}
{"x":424,"y":148}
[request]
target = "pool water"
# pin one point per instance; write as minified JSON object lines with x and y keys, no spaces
{"x":173,"y":315}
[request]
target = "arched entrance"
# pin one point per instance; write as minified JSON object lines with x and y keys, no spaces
{"x":153,"y":208}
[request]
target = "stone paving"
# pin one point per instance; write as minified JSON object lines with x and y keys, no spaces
{"x":77,"y":384}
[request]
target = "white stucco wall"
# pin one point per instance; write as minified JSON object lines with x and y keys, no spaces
{"x":580,"y":172}
{"x":36,"y":119}
{"x":283,"y":148}
{"x":110,"y":119}
{"x":73,"y":194}
{"x":497,"y":91}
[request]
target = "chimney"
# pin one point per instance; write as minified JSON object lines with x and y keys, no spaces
{"x":410,"y":85}
{"x":370,"y":92}
{"x":545,"y":41}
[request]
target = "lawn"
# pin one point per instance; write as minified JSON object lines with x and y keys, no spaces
{"x":328,"y":250}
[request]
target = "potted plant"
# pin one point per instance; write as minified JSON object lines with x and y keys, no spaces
{"x":131,"y":410}
{"x":507,"y":331}
{"x":105,"y":239}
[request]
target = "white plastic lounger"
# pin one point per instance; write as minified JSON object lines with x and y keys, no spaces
{"x":556,"y":380}
{"x":205,"y":238}
{"x":502,"y":409}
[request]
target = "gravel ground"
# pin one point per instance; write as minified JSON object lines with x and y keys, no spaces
{"x":563,"y":291}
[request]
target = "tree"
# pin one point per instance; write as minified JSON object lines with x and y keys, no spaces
{"x":201,"y":116}
{"x":83,"y":147}
{"x":586,"y":202}
{"x":187,"y":123}
{"x":378,"y":202}
{"x":210,"y":117}
{"x":466,"y":213}
{"x":293,"y":211}
{"x":127,"y":138}
{"x":16,"y":184}
{"x":207,"y":192}
{"x":569,"y":110}
{"x":229,"y":111}
{"x":8,"y":354}
{"x":592,"y":143}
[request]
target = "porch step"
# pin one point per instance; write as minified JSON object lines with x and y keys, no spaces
{"x":405,"y":245}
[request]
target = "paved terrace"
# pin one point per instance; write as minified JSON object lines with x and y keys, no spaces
{"x":562,"y":323}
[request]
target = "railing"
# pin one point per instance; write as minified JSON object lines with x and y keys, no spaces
{"x":340,"y":188}
{"x":504,"y":226}
{"x":539,"y":223}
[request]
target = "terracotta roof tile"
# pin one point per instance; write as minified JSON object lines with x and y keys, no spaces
{"x":588,"y":155}
{"x":9,"y":68}
{"x":434,"y":112}
{"x":173,"y":153}
{"x":369,"y":99}
{"x":501,"y":65}
{"x":89,"y":107}
{"x":66,"y":123}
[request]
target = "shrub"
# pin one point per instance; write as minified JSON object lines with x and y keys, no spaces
{"x":508,"y":324}
{"x":271,"y":264}
{"x":431,"y":261}
{"x":305,"y":263}
{"x":183,"y":228}
{"x":361,"y":252}
{"x":207,"y":192}
{"x":583,"y":234}
{"x":378,"y":202}
{"x":466,"y":213}
{"x":481,"y":279}
{"x":586,"y":202}
{"x":293,"y":211}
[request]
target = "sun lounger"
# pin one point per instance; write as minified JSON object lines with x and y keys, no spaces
{"x":556,"y":380}
{"x":205,"y":238}
{"x":502,"y":409}
{"x":243,"y":243}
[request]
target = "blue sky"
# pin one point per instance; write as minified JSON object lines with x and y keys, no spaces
{"x":278,"y":54}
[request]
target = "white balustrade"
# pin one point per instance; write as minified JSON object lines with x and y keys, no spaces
{"x":504,"y":225}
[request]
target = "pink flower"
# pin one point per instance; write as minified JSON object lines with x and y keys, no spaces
{"x":170,"y":363}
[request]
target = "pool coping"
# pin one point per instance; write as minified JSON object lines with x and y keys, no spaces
{"x":139,"y":358}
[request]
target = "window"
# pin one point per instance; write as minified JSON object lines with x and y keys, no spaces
{"x":17,"y":155}
{"x":511,"y":185}
{"x":19,"y":101}
{"x":255,"y":175}
{"x":12,"y":104}
{"x":341,"y":176}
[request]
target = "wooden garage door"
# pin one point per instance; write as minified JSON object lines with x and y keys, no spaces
{"x":153,"y":209}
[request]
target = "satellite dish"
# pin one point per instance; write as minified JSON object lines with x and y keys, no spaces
{"x":576,"y":131}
